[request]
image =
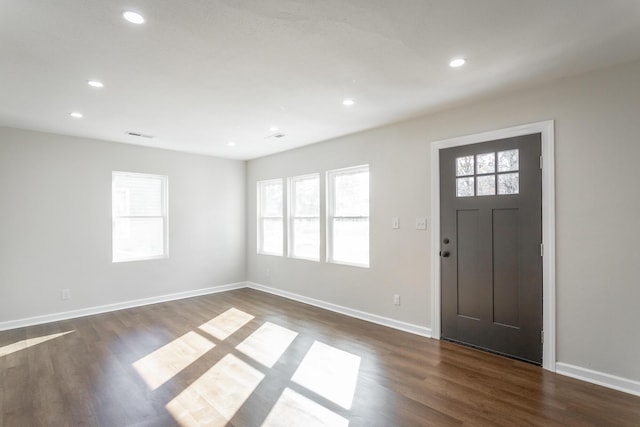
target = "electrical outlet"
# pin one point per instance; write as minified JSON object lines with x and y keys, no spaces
{"x":421,"y":223}
{"x":395,"y":223}
{"x":396,"y":299}
{"x":65,"y":294}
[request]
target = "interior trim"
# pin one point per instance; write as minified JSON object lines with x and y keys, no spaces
{"x":600,"y":378}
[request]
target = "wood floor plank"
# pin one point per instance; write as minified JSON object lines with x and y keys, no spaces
{"x":90,"y":372}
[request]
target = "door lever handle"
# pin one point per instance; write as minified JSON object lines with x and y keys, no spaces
{"x":444,"y":254}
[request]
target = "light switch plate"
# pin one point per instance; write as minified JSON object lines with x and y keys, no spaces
{"x":421,"y":223}
{"x":395,"y":223}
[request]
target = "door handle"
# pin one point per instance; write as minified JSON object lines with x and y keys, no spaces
{"x":444,"y":254}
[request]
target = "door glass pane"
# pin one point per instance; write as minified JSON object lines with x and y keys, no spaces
{"x":508,"y":183}
{"x":486,"y":163}
{"x":465,"y":187}
{"x":464,"y":166}
{"x":487,"y":185}
{"x":508,"y":161}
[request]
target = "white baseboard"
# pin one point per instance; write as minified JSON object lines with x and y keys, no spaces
{"x":54,"y":317}
{"x":373,"y":318}
{"x":606,"y":380}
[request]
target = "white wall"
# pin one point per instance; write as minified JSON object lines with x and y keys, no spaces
{"x":55,"y":223}
{"x":597,"y":165}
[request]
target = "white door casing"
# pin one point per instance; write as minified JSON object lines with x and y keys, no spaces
{"x":546,"y":129}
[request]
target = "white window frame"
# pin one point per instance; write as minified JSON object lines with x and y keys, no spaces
{"x":261,"y":218}
{"x":330,"y":183}
{"x":164,"y":195}
{"x":291,"y":215}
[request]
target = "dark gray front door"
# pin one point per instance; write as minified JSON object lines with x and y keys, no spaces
{"x":491,"y":235}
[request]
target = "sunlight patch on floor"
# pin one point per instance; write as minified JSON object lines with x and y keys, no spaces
{"x":293,"y":409}
{"x":166,"y":362}
{"x":30,"y":342}
{"x":226,"y":323}
{"x":267,"y":344}
{"x":215,"y":397}
{"x":330,"y":372}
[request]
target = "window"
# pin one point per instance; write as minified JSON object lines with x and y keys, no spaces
{"x":304,"y":217}
{"x":139,"y":216}
{"x":270,"y":217}
{"x":476,"y":175}
{"x":348,"y":216}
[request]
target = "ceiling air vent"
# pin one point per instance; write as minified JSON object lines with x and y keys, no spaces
{"x":139,"y":135}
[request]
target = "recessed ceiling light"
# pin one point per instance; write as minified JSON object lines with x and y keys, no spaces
{"x":133,"y":17}
{"x":274,"y":129}
{"x":457,"y":62}
{"x":76,"y":115}
{"x":231,"y":144}
{"x":348,"y":102}
{"x":95,"y":83}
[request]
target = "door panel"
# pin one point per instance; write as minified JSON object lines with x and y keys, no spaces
{"x":469,"y":289}
{"x":505,"y":267}
{"x":491,"y":228}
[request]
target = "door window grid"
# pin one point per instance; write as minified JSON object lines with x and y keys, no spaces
{"x":476,"y":175}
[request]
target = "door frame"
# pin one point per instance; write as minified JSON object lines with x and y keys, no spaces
{"x":546,"y":129}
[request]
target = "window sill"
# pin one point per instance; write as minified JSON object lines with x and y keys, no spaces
{"x":349,"y":264}
{"x":119,"y":261}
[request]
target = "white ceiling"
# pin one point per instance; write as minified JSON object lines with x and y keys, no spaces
{"x":200,"y":73}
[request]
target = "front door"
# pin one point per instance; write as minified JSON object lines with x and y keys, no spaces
{"x":491,"y":236}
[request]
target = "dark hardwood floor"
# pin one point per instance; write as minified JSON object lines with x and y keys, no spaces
{"x":246,"y":358}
